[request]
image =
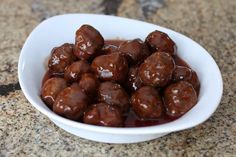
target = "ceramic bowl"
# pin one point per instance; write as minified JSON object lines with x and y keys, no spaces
{"x":61,"y":29}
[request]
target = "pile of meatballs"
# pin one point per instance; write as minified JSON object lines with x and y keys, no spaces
{"x":98,"y":83}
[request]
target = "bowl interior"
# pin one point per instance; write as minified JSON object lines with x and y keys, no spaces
{"x":61,"y":29}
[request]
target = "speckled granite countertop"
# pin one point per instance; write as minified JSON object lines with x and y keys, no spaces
{"x":26,"y":132}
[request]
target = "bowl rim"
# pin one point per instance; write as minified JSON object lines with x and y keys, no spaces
{"x":162,"y":128}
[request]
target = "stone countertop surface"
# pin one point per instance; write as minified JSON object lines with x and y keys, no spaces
{"x":24,"y":131}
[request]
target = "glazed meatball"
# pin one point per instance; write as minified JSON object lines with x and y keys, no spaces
{"x":46,"y":76}
{"x":103,"y":114}
{"x":147,"y":103}
{"x":89,"y":83}
{"x":61,"y":57}
{"x":51,"y":88}
{"x":180,"y":62}
{"x":88,"y":42}
{"x":160,"y":41}
{"x":186,"y":74}
{"x":133,"y":81}
{"x":157,"y":69}
{"x":108,"y":49}
{"x":113,"y":42}
{"x":76,"y":69}
{"x":113,"y":94}
{"x":179,"y":98}
{"x":111,"y":67}
{"x":71,"y":102}
{"x":134,"y":50}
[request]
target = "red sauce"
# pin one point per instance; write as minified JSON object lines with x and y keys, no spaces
{"x":133,"y":121}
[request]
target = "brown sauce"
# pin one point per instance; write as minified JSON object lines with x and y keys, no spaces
{"x":133,"y":121}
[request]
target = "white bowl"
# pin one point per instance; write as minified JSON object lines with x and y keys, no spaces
{"x":60,"y":29}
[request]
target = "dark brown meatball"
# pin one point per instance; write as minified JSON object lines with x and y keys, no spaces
{"x":103,"y":114}
{"x":157,"y":69}
{"x":51,"y":88}
{"x":88,"y":42}
{"x":89,"y":83}
{"x":46,"y":76}
{"x":76,"y":69}
{"x":71,"y":102}
{"x":113,"y":94}
{"x":160,"y":41}
{"x":186,"y":74}
{"x":133,"y":81}
{"x":147,"y":103}
{"x":61,"y":57}
{"x":179,"y":98}
{"x":134,"y":50}
{"x":111,"y":67}
{"x":180,"y":62}
{"x":108,"y":49}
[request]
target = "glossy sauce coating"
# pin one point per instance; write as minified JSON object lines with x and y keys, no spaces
{"x":160,"y":41}
{"x":147,"y":103}
{"x":157,"y":69}
{"x":113,"y":94}
{"x":134,"y":50}
{"x":46,"y":76}
{"x":76,"y":69}
{"x":133,"y":82}
{"x":186,"y":74}
{"x":180,"y":62}
{"x":51,"y":88}
{"x":108,"y":49}
{"x":88,"y":42}
{"x":114,"y":42}
{"x":111,"y":67}
{"x":103,"y":114}
{"x":71,"y":102}
{"x":89,"y":84}
{"x":61,"y":57}
{"x":179,"y":98}
{"x":133,"y":121}
{"x":119,"y":83}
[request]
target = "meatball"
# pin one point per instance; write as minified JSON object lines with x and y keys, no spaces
{"x":108,"y":49}
{"x":186,"y":74}
{"x":113,"y":94}
{"x":61,"y":57}
{"x":157,"y":69}
{"x":76,"y":69}
{"x":111,"y":67}
{"x":180,"y":62}
{"x":71,"y":102}
{"x":134,"y":50}
{"x":88,"y":42}
{"x":51,"y":88}
{"x":89,"y":83}
{"x":147,"y":103}
{"x":46,"y":76}
{"x":179,"y":98}
{"x":160,"y":41}
{"x":133,"y":81}
{"x":103,"y":114}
